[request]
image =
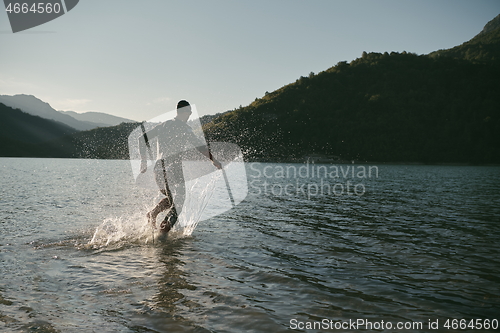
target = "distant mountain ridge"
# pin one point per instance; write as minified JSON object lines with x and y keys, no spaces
{"x":22,"y":134}
{"x":34,"y":106}
{"x":85,"y":121}
{"x":100,"y":118}
{"x":26,"y":135}
{"x":24,"y":127}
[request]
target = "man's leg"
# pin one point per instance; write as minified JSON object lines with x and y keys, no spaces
{"x":175,"y":189}
{"x":171,"y":217}
{"x":163,"y":205}
{"x":173,"y":214}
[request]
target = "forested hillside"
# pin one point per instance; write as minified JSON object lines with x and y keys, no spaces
{"x":21,"y":134}
{"x":397,"y":107}
{"x":102,"y":143}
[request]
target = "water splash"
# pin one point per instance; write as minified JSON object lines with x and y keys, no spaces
{"x":199,"y":191}
{"x":121,"y":230}
{"x":133,"y":228}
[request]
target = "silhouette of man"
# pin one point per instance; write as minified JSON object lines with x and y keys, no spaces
{"x":174,"y":138}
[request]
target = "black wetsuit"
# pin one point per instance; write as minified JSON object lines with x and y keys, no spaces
{"x":174,"y":138}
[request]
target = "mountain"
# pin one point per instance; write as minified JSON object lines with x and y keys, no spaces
{"x":100,"y":118}
{"x":24,"y":127}
{"x":25,"y":135}
{"x":491,"y":26}
{"x":484,"y":47}
{"x":399,"y":107}
{"x":21,"y":134}
{"x":101,"y":143}
{"x":34,"y":106}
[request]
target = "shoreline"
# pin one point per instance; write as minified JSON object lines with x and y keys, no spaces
{"x":291,"y":161}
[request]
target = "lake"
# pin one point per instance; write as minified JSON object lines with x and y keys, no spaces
{"x":312,"y":248}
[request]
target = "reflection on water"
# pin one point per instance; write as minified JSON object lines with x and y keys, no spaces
{"x":419,"y":245}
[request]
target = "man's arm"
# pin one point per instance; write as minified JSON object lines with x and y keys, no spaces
{"x":205,"y":151}
{"x":142,"y":148}
{"x":202,"y":147}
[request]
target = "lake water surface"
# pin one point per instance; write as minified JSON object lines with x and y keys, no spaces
{"x":412,"y":246}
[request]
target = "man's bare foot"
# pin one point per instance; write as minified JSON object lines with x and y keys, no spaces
{"x":165,"y":226}
{"x":151,"y":220}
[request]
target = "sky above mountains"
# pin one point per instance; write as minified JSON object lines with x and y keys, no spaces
{"x":136,"y":59}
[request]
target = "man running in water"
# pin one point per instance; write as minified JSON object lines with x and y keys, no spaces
{"x":174,"y":138}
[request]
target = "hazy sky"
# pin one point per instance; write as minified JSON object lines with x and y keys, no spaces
{"x":136,"y":59}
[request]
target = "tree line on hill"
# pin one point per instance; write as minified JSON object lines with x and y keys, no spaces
{"x":397,"y":107}
{"x":25,"y":135}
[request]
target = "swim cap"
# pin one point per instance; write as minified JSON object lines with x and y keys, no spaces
{"x":182,"y":104}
